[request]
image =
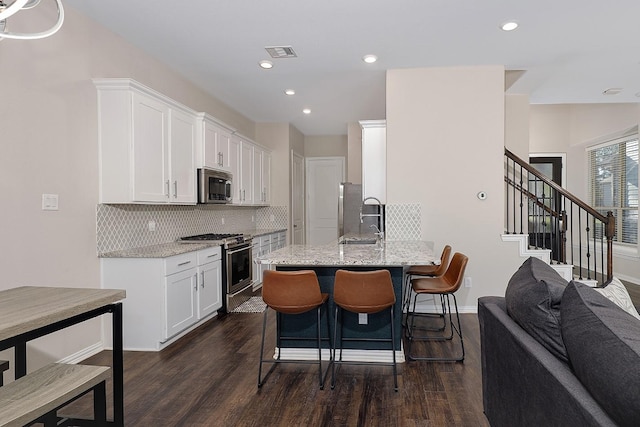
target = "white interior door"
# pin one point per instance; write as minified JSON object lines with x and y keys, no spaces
{"x":324,"y":175}
{"x":297,"y":199}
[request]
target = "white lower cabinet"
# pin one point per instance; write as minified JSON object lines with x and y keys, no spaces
{"x":166,"y":297}
{"x":209,"y":281}
{"x":180,"y":300}
{"x":262,"y":246}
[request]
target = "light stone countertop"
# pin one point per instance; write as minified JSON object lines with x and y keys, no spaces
{"x":164,"y":250}
{"x":392,"y":253}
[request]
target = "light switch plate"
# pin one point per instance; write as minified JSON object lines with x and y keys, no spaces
{"x":362,"y":318}
{"x":49,"y":202}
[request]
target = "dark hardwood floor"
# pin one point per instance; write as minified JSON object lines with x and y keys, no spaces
{"x":209,"y":378}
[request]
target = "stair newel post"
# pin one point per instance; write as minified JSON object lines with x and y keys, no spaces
{"x":610,"y":232}
{"x":563,"y":237}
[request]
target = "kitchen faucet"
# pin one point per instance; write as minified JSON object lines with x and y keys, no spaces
{"x":380,"y":215}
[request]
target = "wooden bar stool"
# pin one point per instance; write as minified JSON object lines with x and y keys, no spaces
{"x":294,"y":292}
{"x":445,"y":286}
{"x":363,"y":292}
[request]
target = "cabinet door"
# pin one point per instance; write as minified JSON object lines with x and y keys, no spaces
{"x":374,"y":159}
{"x":266,"y":178}
{"x":234,"y":168}
{"x":246,"y":173}
{"x":180,"y":302}
{"x":224,"y":149}
{"x":150,"y":160}
{"x":255,"y":251}
{"x":182,"y":157}
{"x":211,"y":154}
{"x":258,"y":194}
{"x":210,"y":288}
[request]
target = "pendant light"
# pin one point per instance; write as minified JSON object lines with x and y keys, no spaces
{"x":6,"y":11}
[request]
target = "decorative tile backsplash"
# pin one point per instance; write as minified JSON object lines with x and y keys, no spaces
{"x":403,"y":222}
{"x":121,"y":227}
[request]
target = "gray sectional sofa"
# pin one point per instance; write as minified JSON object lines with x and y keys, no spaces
{"x":558,"y":354}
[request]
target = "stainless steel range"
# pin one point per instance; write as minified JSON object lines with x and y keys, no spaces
{"x":237,"y":269}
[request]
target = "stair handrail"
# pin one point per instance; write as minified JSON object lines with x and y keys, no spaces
{"x":608,"y":219}
{"x":555,"y":186}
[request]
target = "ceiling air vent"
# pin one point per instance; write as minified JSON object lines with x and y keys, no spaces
{"x":281,"y":51}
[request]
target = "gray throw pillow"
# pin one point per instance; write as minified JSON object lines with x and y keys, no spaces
{"x":603,"y":344}
{"x":533,"y":298}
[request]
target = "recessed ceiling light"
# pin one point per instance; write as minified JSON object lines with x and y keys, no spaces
{"x":509,"y":26}
{"x":369,"y":59}
{"x":290,"y":92}
{"x":265,"y":64}
{"x":307,"y":111}
{"x":612,"y":91}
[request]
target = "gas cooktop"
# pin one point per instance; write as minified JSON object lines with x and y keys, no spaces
{"x":226,"y":238}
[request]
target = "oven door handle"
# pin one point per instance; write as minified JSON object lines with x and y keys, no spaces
{"x":236,"y":250}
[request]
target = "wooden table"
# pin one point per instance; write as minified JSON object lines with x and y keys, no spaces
{"x":30,"y":312}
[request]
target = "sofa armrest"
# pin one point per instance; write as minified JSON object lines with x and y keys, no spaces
{"x":523,"y":384}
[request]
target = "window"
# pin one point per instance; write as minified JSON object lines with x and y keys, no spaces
{"x":614,"y":184}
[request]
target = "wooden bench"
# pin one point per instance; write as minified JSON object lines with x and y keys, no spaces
{"x":4,"y":365}
{"x":38,"y":395}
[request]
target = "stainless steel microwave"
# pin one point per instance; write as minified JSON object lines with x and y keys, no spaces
{"x":214,"y":186}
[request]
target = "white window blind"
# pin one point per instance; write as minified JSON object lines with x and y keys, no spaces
{"x":614,"y":184}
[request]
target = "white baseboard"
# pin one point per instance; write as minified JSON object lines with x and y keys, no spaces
{"x":83,"y":354}
{"x":348,"y":355}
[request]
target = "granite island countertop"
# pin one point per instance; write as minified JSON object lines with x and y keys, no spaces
{"x":390,"y":253}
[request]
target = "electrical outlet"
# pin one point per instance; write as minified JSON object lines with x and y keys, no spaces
{"x":253,"y":219}
{"x":49,"y":202}
{"x":151,"y":225}
{"x":362,"y":318}
{"x":467,"y":282}
{"x":222,"y":221}
{"x":272,"y":218}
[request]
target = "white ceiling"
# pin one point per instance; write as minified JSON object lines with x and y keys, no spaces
{"x":571,"y":50}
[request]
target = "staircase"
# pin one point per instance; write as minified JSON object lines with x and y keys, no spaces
{"x":550,"y":223}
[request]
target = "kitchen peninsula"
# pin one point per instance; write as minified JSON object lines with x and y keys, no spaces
{"x":352,"y":255}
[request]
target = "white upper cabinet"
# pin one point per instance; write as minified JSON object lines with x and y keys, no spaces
{"x":246,"y":173}
{"x":181,"y":157}
{"x":214,"y":146}
{"x":234,"y":168}
{"x":261,"y":176}
{"x":374,"y":160}
{"x":146,"y":145}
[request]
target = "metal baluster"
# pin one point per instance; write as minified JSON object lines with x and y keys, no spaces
{"x":521,"y":199}
{"x":580,"y":241}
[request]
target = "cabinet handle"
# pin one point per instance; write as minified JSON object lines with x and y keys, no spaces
{"x":220,"y":158}
{"x":168,"y":191}
{"x":175,"y":189}
{"x":243,"y":198}
{"x":196,"y":285}
{"x":184,"y":263}
{"x":202,"y":275}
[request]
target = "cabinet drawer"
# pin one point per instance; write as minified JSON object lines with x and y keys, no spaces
{"x":178,"y":263}
{"x":265,"y":240}
{"x":209,"y":255}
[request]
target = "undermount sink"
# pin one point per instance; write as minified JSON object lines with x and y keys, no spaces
{"x":358,"y":241}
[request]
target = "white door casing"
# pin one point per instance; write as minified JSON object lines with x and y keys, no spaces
{"x":323,"y":178}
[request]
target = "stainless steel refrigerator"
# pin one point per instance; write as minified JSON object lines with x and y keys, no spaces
{"x":349,"y":208}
